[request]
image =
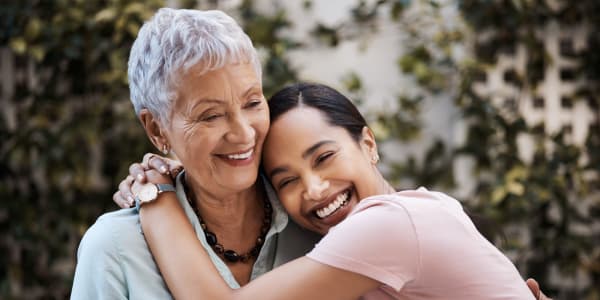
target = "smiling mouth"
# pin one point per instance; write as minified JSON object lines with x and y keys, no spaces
{"x":239,"y":156}
{"x":340,"y":201}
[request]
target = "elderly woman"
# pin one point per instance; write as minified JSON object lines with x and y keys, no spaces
{"x":195,"y":82}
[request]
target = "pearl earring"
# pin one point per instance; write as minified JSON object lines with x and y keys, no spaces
{"x":165,"y":149}
{"x":375,"y":158}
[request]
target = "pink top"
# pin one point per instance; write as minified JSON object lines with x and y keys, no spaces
{"x":420,"y":245}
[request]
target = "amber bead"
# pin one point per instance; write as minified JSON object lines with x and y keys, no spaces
{"x":219,"y":249}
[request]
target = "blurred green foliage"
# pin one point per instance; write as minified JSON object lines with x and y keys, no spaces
{"x":68,"y":131}
{"x":548,"y":208}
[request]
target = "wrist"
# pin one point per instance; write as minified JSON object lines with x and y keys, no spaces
{"x":153,"y":176}
{"x":150,"y":192}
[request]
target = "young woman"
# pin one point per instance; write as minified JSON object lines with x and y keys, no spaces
{"x":321,"y":158}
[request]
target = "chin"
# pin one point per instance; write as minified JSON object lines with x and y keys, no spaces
{"x":242,"y":181}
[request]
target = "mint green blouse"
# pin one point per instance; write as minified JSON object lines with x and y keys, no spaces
{"x":114,"y":261}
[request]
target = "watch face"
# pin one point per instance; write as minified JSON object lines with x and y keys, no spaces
{"x":148,"y":192}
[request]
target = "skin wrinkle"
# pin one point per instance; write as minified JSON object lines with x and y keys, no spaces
{"x":241,"y":123}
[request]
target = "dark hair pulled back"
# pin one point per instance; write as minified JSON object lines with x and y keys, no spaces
{"x":338,"y":110}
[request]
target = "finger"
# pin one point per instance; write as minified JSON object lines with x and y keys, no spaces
{"x":174,"y":165}
{"x":147,"y":158}
{"x":175,"y":171}
{"x":158,"y":163}
{"x":534,"y":287}
{"x":137,"y":171}
{"x":119,"y":200}
{"x":125,"y":190}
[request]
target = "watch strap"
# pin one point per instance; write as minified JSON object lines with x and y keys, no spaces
{"x":161,"y":187}
{"x":165,"y":187}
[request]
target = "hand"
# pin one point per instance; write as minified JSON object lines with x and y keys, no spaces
{"x":152,"y":176}
{"x":124,"y":197}
{"x":535,"y":289}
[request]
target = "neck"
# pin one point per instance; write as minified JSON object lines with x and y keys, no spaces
{"x":230,"y":215}
{"x":384,"y":186}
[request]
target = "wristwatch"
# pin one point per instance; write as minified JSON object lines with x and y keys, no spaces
{"x":150,"y":191}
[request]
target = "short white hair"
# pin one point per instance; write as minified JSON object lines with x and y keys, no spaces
{"x":172,"y":42}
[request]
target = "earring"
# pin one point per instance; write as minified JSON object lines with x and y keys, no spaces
{"x":375,"y":158}
{"x":165,"y":149}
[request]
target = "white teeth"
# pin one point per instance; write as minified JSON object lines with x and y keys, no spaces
{"x":241,"y":155}
{"x":340,"y":201}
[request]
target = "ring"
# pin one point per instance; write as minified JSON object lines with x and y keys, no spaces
{"x":150,"y":159}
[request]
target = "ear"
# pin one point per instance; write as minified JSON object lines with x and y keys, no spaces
{"x":153,"y":129}
{"x":368,"y":144}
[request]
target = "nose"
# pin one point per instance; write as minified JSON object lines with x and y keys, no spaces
{"x":315,"y":187}
{"x":241,"y":130}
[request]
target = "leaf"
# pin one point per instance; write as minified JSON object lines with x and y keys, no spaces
{"x":106,"y":15}
{"x":134,"y":8}
{"x":18,"y":45}
{"x":33,"y":29}
{"x":38,"y":52}
{"x":515,"y":188}
{"x":133,"y":28}
{"x":380,"y":131}
{"x":498,"y":195}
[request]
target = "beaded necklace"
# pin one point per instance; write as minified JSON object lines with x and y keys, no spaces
{"x":227,"y":254}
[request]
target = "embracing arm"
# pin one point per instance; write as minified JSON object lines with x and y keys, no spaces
{"x":190,"y":274}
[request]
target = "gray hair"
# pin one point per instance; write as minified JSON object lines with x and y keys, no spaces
{"x":172,"y":42}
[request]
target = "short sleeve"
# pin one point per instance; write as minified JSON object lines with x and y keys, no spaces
{"x":378,"y":240}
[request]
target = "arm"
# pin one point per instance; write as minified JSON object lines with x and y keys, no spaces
{"x":190,"y":274}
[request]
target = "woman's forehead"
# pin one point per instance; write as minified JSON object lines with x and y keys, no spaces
{"x":304,"y":121}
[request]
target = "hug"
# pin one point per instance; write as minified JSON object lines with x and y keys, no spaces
{"x":278,"y":199}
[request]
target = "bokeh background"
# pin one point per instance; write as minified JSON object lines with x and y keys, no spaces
{"x":493,"y":101}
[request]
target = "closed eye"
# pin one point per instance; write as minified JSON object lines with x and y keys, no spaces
{"x":286,"y":181}
{"x":323,"y":157}
{"x":210,"y":118}
{"x":253,"y":103}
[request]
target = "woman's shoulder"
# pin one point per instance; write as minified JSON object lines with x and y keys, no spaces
{"x":111,"y":232}
{"x":409,"y":200}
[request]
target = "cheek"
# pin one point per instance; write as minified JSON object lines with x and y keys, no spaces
{"x":291,"y":203}
{"x":260,"y":122}
{"x":287,"y":200}
{"x":198,"y":147}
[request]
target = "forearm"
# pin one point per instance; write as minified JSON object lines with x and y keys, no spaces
{"x":184,"y":263}
{"x":190,"y":274}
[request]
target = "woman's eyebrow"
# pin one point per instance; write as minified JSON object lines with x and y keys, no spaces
{"x":314,"y":148}
{"x":276,"y":171}
{"x":255,"y":88}
{"x":206,"y":101}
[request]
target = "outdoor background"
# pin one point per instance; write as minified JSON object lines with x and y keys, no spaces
{"x":495,"y":102}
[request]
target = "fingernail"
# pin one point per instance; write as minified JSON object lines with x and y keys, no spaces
{"x":130,"y":200}
{"x":163,"y":169}
{"x":140,"y":177}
